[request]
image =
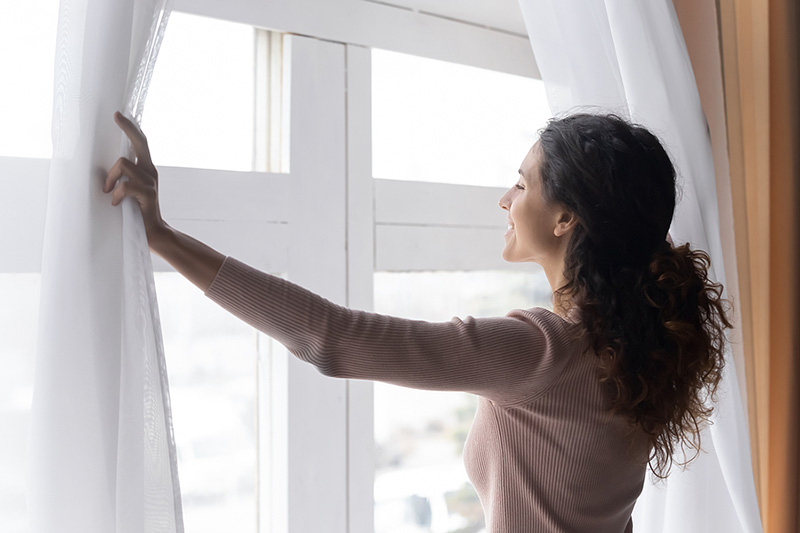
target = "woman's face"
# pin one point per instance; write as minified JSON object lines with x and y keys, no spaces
{"x":535,"y":229}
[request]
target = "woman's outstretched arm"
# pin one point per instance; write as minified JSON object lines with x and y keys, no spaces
{"x":506,"y":359}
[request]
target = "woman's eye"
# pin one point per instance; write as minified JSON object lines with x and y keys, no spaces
{"x":520,"y":187}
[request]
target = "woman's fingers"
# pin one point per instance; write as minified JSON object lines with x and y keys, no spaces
{"x":138,"y":191}
{"x":120,"y":193}
{"x":125,"y":167}
{"x":140,"y":185}
{"x":113,"y":175}
{"x":142,"y":178}
{"x":138,"y":141}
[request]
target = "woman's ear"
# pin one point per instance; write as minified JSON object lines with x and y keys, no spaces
{"x":566,"y":221}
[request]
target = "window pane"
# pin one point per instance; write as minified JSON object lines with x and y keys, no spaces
{"x":199,"y":110}
{"x":211,"y":362}
{"x":19,"y":314}
{"x":449,"y":123}
{"x":27,"y":55}
{"x":211,"y":359}
{"x":420,"y":481}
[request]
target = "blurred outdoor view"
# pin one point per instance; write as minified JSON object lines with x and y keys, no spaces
{"x":19,"y":315}
{"x":443,"y":122}
{"x":450,"y":123}
{"x":211,"y":360}
{"x":420,"y":481}
{"x":211,"y":363}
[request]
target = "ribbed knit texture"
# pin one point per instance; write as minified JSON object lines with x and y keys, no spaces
{"x":543,"y":453}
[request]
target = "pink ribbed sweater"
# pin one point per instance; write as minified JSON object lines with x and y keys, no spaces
{"x":543,"y":453}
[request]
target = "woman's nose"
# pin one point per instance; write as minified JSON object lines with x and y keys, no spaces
{"x":504,"y":202}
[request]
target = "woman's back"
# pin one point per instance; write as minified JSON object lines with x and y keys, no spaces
{"x":558,"y":460}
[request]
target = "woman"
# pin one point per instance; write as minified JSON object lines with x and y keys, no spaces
{"x":573,"y":403}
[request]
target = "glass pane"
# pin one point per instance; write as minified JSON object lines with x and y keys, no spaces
{"x":27,"y":56}
{"x":449,"y":123}
{"x":19,"y":314}
{"x":211,"y":359}
{"x":420,"y":481}
{"x":199,"y":110}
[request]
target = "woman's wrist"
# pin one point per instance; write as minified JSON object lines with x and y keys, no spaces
{"x":196,"y":261}
{"x":161,"y":238}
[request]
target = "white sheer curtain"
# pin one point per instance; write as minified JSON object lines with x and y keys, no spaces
{"x":630,"y":58}
{"x":102,"y":455}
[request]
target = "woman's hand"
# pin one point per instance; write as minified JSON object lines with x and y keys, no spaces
{"x":142,"y":182}
{"x":198,"y":262}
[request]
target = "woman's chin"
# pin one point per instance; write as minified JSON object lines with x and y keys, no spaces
{"x":509,"y":256}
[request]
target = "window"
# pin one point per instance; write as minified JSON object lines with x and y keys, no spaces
{"x":214,"y":103}
{"x":200,"y":105}
{"x":17,"y":350}
{"x":216,"y":97}
{"x":27,"y":45}
{"x":439,"y":121}
{"x":434,"y":121}
{"x":420,"y":481}
{"x":211,"y":356}
{"x":211,"y":360}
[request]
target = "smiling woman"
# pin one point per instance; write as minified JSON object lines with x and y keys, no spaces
{"x":597,"y":371}
{"x":538,"y":229}
{"x":263,"y":438}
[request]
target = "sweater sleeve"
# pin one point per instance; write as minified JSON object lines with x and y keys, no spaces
{"x":504,"y":359}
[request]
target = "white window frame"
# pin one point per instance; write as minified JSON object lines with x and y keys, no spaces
{"x":327,"y":223}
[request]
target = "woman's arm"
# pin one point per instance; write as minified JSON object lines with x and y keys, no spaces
{"x":505,"y":359}
{"x":198,"y":262}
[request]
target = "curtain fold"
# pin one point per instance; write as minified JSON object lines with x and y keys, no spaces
{"x":630,"y":58}
{"x":102,"y":454}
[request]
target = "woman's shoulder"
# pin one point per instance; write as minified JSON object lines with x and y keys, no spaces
{"x":545,"y":317}
{"x":560,"y":329}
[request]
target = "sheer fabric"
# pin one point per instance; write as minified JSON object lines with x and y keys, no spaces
{"x":102,"y":455}
{"x":630,"y":58}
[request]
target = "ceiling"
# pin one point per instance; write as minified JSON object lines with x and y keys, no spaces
{"x":497,"y":14}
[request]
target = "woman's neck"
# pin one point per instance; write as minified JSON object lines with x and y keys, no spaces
{"x":555,"y":277}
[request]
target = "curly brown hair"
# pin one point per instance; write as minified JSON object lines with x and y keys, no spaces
{"x":654,"y":318}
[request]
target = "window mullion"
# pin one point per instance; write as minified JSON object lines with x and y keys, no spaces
{"x":315,"y":435}
{"x":360,"y":268}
